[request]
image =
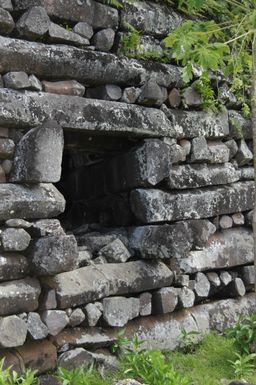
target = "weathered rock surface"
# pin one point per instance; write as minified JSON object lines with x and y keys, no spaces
{"x":90,"y":67}
{"x":46,"y":227}
{"x":6,"y":22}
{"x":15,"y":239}
{"x":145,"y":303}
{"x":42,"y":200}
{"x":91,"y":283}
{"x":87,"y":114}
{"x":165,"y":300}
{"x":115,"y":252}
{"x":106,"y":92}
{"x":156,"y":206}
{"x":53,"y":254}
{"x":36,"y":328}
{"x":76,"y":317}
{"x":200,"y":175}
{"x":64,"y":87}
{"x":34,"y":23}
{"x":229,"y":248}
{"x":7,"y":147}
{"x":13,"y":266}
{"x":19,"y":296}
{"x":16,"y":80}
{"x":59,"y":34}
{"x":83,"y":29}
{"x":75,"y":358}
{"x":104,"y":39}
{"x":152,"y":94}
{"x":117,"y":311}
{"x":13,"y":332}
{"x":6,"y":4}
{"x":240,"y":128}
{"x":93,"y":313}
{"x":38,"y":155}
{"x":55,"y":320}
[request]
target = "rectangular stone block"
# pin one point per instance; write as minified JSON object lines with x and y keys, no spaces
{"x":13,"y":266}
{"x":19,"y":296}
{"x":35,"y":201}
{"x":151,"y":205}
{"x":91,"y":283}
{"x":228,"y":248}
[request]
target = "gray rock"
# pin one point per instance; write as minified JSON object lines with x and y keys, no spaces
{"x":13,"y":266}
{"x":152,"y":19}
{"x":213,"y":278}
{"x":240,"y":128}
{"x":13,"y":332}
{"x":34,"y":23}
{"x":95,"y":241}
{"x":76,"y":317}
{"x":105,"y":17}
{"x":55,"y":320}
{"x":91,"y":283}
{"x":106,"y":92}
{"x":75,"y":358}
{"x":199,"y":150}
{"x":59,"y":34}
{"x":191,"y":97}
{"x":177,"y":154}
{"x":145,"y":304}
{"x":104,"y":39}
{"x":181,"y":280}
{"x":130,"y":95}
{"x":115,"y":252}
{"x":93,"y":68}
{"x":16,"y":80}
{"x":186,"y":297}
{"x":38,"y":155}
{"x":83,"y":29}
{"x":234,"y":289}
{"x":244,"y":154}
{"x":35,"y":84}
{"x":6,"y":22}
{"x":7,"y":166}
{"x":154,"y":205}
{"x":46,"y":227}
{"x":15,"y":239}
{"x":225,"y":222}
{"x":19,"y":296}
{"x":99,"y":260}
{"x":84,"y":258}
{"x":36,"y":328}
{"x":48,"y":300}
{"x":229,"y":248}
{"x":201,"y":175}
{"x":247,"y":274}
{"x":6,"y":4}
{"x":152,"y":94}
{"x":93,"y":313}
{"x":64,"y":87}
{"x":202,"y":286}
{"x":174,"y":98}
{"x":53,"y":254}
{"x":186,"y":145}
{"x":225,"y":278}
{"x":218,"y":152}
{"x":18,"y":223}
{"x":227,"y":96}
{"x":246,"y":173}
{"x":117,"y":311}
{"x":7,"y":147}
{"x":233,"y":148}
{"x":165,"y":300}
{"x":238,"y":219}
{"x":97,"y":115}
{"x":192,"y":124}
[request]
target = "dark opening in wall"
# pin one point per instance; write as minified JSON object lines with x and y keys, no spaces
{"x":88,"y":178}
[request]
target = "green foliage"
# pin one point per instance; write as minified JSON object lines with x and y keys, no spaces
{"x":243,"y":366}
{"x":130,"y":41}
{"x":150,"y":366}
{"x":81,"y":376}
{"x":114,"y":3}
{"x":243,"y":333}
{"x":188,"y":341}
{"x":11,"y":377}
{"x":204,"y":87}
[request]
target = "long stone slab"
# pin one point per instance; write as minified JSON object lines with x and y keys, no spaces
{"x":65,"y":62}
{"x":19,"y":296}
{"x":91,"y":283}
{"x":191,"y":124}
{"x":13,"y":266}
{"x":29,"y":109}
{"x":38,"y":201}
{"x":201,"y":175}
{"x":154,"y":205}
{"x":228,"y":248}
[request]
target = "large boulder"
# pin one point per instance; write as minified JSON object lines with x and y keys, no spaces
{"x":13,"y":331}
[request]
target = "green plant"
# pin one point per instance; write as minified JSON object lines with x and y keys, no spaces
{"x":187,"y":343}
{"x":130,"y":41}
{"x":81,"y":376}
{"x":11,"y":377}
{"x":243,"y":333}
{"x":243,"y":366}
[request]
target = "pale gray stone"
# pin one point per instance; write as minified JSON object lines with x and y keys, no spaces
{"x":238,"y":219}
{"x":202,"y":286}
{"x":6,"y":4}
{"x":75,"y":358}
{"x":181,"y":280}
{"x":99,"y":260}
{"x":34,"y":23}
{"x":226,"y":222}
{"x":165,"y":300}
{"x":55,"y":320}
{"x":36,"y":328}
{"x":186,"y":145}
{"x":244,"y":154}
{"x":64,"y":87}
{"x":38,"y":155}
{"x":218,"y":152}
{"x":6,"y":22}
{"x":145,"y":304}
{"x":16,"y":80}
{"x":15,"y":239}
{"x":76,"y":317}
{"x":46,"y":227}
{"x":225,"y":278}
{"x":59,"y":34}
{"x":117,"y":311}
{"x":191,"y":97}
{"x":240,"y":127}
{"x":248,"y":275}
{"x":199,"y":150}
{"x":213,"y":278}
{"x":105,"y":16}
{"x":130,"y":95}
{"x":35,"y":83}
{"x":104,"y":39}
{"x":186,"y":297}
{"x":233,"y":148}
{"x":246,"y":173}
{"x":93,"y":313}
{"x":84,"y":258}
{"x":7,"y":166}
{"x":18,"y":223}
{"x":13,"y":332}
{"x":115,"y":252}
{"x":48,"y":300}
{"x":83,"y":29}
{"x":152,"y":94}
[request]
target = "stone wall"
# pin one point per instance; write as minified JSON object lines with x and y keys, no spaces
{"x":149,"y":224}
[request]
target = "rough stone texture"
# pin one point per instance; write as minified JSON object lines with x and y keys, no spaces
{"x":18,"y":223}
{"x":104,"y":16}
{"x":115,"y":252}
{"x":200,"y":175}
{"x":225,"y":278}
{"x":55,"y":320}
{"x":174,"y":98}
{"x":93,"y":314}
{"x":19,"y":296}
{"x":202,"y":286}
{"x":6,"y":22}
{"x":199,"y":150}
{"x":38,"y":155}
{"x":130,"y":94}
{"x":156,"y":206}
{"x":240,"y":128}
{"x":48,"y":300}
{"x":38,"y":355}
{"x":90,"y":283}
{"x":83,"y":29}
{"x":229,"y":248}
{"x":66,"y":62}
{"x":152,"y":19}
{"x":58,"y":34}
{"x":244,"y":154}
{"x":186,"y":297}
{"x":41,"y":200}
{"x":7,"y":147}
{"x":6,"y":4}
{"x":191,"y":124}
{"x":104,"y":39}
{"x":238,"y":219}
{"x":152,"y":94}
{"x":35,"y":84}
{"x":145,"y":303}
{"x":65,"y":87}
{"x":15,"y":110}
{"x":106,"y":92}
{"x":164,"y":300}
{"x":233,"y":148}
{"x":76,"y":317}
{"x":15,"y":239}
{"x":225,"y":222}
{"x":218,"y":152}
{"x":191,"y":97}
{"x":34,"y":23}
{"x":13,"y":266}
{"x":36,"y":328}
{"x":53,"y":254}
{"x":117,"y":311}
{"x":248,"y":275}
{"x":46,"y":227}
{"x":16,"y":80}
{"x":75,"y":358}
{"x":13,"y":332}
